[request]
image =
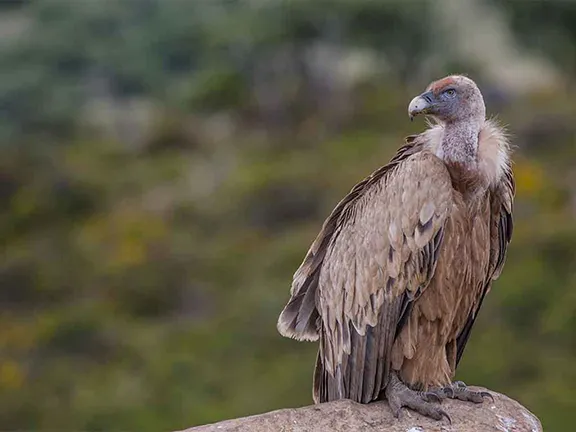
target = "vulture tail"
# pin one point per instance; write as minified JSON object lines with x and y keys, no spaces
{"x":361,"y":375}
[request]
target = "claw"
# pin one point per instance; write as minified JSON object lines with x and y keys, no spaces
{"x":449,"y":392}
{"x":445,"y":414}
{"x":432,"y":395}
{"x":486,"y":394}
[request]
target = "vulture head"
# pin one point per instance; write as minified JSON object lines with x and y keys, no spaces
{"x":451,"y":99}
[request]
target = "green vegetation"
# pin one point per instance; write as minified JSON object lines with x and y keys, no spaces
{"x":164,"y":166}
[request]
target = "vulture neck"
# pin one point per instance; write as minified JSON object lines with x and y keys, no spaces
{"x":460,"y":142}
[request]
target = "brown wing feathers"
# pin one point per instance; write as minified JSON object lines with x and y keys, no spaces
{"x":362,"y":374}
{"x":299,"y":318}
{"x":392,"y":241}
{"x":377,"y":251}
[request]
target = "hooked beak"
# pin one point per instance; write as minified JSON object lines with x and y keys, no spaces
{"x":421,"y":105}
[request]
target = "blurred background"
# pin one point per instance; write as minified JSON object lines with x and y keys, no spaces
{"x":165,"y":164}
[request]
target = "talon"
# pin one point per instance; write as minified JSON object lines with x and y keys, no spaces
{"x":445,"y":414}
{"x":486,"y":394}
{"x":432,"y":395}
{"x":449,"y":392}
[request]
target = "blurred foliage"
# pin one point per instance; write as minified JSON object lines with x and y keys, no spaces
{"x":164,"y":166}
{"x":547,"y":27}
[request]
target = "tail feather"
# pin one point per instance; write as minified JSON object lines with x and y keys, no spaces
{"x":363,"y":374}
{"x":357,"y":361}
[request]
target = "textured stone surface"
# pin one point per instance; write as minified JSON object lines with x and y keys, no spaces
{"x":502,"y":415}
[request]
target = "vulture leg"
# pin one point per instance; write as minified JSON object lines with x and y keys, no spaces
{"x":459,"y":390}
{"x":399,"y":395}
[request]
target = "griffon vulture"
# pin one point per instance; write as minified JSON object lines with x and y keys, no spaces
{"x":395,"y":279}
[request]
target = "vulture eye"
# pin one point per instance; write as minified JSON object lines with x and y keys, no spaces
{"x":450,"y":92}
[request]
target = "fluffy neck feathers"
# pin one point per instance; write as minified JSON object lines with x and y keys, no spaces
{"x":460,"y":142}
{"x":488,"y":144}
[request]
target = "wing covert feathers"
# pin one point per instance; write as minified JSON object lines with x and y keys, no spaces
{"x":374,"y":255}
{"x":295,"y":321}
{"x":382,"y":258}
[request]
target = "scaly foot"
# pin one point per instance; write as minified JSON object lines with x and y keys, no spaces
{"x":399,"y":395}
{"x":459,"y":390}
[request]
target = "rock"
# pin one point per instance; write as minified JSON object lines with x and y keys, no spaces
{"x":502,"y":415}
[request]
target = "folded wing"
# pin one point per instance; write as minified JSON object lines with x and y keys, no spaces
{"x":374,"y":256}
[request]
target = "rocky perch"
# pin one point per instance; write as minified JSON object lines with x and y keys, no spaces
{"x":502,"y":415}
